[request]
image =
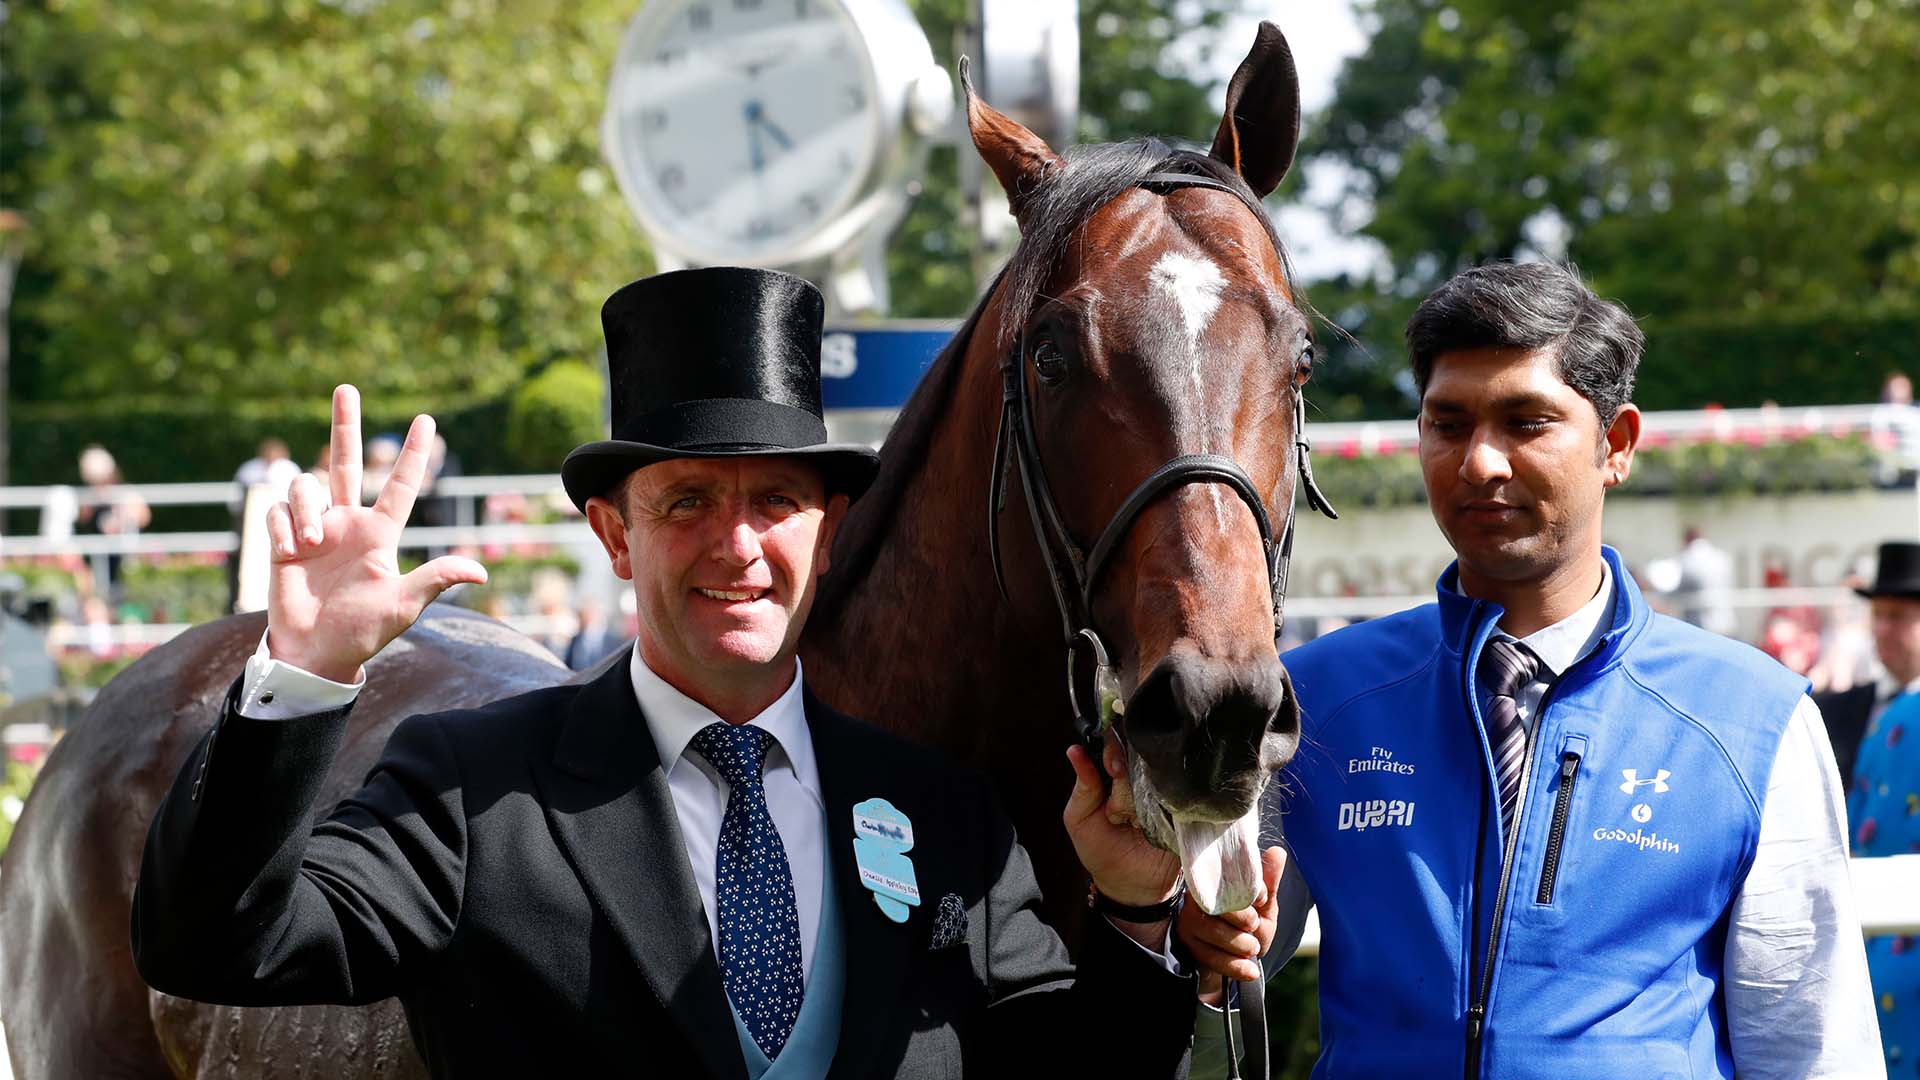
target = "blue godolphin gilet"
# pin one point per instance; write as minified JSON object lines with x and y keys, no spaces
{"x":1648,"y":769}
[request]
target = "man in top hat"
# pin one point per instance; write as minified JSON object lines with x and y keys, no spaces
{"x":1894,"y":598}
{"x":685,"y":867}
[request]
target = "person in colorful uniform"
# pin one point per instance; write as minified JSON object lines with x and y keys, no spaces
{"x":687,"y":866}
{"x":1883,"y":801}
{"x":1551,"y":833}
{"x":1893,"y":601}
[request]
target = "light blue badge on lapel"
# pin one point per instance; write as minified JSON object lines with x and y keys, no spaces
{"x":882,"y":836}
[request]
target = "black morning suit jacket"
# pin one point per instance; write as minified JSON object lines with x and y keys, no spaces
{"x":515,"y":875}
{"x":1846,"y":712}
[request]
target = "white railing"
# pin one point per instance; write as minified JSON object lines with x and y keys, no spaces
{"x":1882,"y":423}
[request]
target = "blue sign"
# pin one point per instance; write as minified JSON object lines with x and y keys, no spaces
{"x":876,"y":367}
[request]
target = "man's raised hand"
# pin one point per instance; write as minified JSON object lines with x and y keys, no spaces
{"x":337,"y":595}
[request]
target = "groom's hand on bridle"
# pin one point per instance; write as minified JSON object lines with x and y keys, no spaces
{"x":1232,"y":944}
{"x":337,"y":596}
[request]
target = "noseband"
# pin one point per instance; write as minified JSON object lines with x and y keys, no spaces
{"x":1074,"y":572}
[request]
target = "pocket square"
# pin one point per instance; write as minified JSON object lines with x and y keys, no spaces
{"x":949,"y":923}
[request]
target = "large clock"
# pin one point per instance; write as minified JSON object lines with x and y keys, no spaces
{"x":770,"y":132}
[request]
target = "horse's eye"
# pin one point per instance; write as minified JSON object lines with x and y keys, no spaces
{"x":1049,"y":362}
{"x":1303,"y":370}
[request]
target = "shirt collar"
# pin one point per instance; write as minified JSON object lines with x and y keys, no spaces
{"x":1886,"y":689}
{"x":1568,"y":641}
{"x":673,"y":719}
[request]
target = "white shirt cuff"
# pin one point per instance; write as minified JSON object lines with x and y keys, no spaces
{"x":1164,"y":954}
{"x":274,"y":690}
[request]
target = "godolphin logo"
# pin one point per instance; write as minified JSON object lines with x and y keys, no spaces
{"x":1658,"y":780}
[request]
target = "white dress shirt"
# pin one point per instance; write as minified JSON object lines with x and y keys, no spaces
{"x":274,"y":690}
{"x":700,"y":795}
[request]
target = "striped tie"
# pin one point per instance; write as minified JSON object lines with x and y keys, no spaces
{"x":1506,"y":667}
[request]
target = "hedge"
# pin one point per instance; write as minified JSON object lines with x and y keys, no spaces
{"x":1782,"y":468}
{"x":1792,"y":357}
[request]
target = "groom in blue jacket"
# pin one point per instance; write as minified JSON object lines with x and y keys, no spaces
{"x":1549,"y":832}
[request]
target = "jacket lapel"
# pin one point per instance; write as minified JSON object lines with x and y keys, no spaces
{"x":609,"y":806}
{"x":878,"y":950}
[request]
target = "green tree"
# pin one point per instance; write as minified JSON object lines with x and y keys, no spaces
{"x":1695,"y":159}
{"x":250,"y":200}
{"x":259,"y":198}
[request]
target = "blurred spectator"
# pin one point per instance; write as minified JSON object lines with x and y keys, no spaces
{"x":1896,"y":424}
{"x":376,"y":465}
{"x":1894,"y":598}
{"x":1883,"y":812}
{"x":96,"y":628}
{"x":271,"y":467}
{"x":1706,"y":579}
{"x":1897,"y":389}
{"x":596,"y":639}
{"x":1791,"y":642}
{"x":555,"y":624}
{"x":107,"y":508}
{"x":442,"y":464}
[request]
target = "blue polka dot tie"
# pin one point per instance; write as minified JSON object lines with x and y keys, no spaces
{"x":753,"y":890}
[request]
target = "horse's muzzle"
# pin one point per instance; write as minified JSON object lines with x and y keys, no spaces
{"x":1210,"y":731}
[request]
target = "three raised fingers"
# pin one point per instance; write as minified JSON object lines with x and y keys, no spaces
{"x":409,"y":472}
{"x":343,"y":453}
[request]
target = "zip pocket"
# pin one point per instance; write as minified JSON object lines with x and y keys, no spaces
{"x":1570,"y":754}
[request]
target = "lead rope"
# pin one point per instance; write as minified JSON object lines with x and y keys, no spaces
{"x":1253,"y":992}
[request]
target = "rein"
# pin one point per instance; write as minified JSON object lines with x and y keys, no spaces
{"x":1074,"y":572}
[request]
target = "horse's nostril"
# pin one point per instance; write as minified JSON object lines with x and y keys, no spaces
{"x":1152,"y":713}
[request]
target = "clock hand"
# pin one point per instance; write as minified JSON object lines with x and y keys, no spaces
{"x":757,"y":118}
{"x":754,"y":153}
{"x":778,"y":136}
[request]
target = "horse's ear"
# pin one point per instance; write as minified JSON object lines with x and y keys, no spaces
{"x":1021,"y":160}
{"x":1261,"y":127}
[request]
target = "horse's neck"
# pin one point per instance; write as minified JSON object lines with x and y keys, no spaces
{"x":920,"y":644}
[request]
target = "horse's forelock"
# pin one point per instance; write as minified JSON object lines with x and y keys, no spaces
{"x":1093,"y":177}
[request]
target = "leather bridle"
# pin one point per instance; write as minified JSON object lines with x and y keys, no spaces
{"x":1074,"y":572}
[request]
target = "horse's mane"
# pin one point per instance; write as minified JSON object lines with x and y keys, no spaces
{"x":1050,"y":216}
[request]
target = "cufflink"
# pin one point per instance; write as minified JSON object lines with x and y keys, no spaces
{"x":949,"y":923}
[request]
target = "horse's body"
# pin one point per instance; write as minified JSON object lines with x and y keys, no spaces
{"x":910,"y":630}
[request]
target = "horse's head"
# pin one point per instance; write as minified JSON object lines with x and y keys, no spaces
{"x":1147,"y":319}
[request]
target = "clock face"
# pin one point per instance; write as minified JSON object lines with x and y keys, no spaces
{"x":748,"y":124}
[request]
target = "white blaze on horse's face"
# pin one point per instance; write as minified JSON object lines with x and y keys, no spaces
{"x":1193,"y":285}
{"x":1190,"y":287}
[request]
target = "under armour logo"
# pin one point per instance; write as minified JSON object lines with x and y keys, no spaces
{"x":1658,"y":780}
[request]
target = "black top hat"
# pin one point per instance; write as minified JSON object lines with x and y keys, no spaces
{"x":1898,"y":573}
{"x":715,"y":362}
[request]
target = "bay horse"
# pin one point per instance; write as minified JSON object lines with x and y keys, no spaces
{"x":1147,"y":329}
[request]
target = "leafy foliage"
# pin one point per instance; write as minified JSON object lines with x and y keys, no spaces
{"x":238,"y":203}
{"x":1748,"y":163}
{"x":554,"y":412}
{"x":255,"y":199}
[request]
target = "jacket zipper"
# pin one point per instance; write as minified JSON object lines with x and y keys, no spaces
{"x":1557,"y":834}
{"x":1477,"y":1010}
